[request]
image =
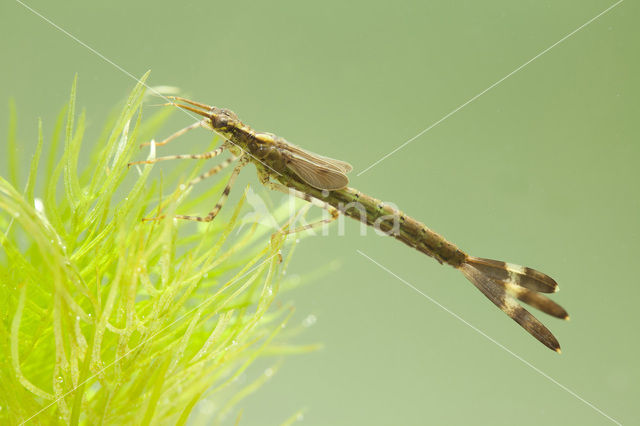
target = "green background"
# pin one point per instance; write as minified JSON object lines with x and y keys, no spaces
{"x":541,"y":170}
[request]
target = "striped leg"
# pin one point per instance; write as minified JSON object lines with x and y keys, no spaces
{"x":264,"y":179}
{"x":202,"y":177}
{"x":225,"y":194}
{"x":213,"y":171}
{"x":202,"y":156}
{"x":334,"y":215}
{"x":179,"y":133}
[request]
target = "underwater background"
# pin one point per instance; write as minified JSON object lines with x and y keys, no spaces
{"x":531,"y":155}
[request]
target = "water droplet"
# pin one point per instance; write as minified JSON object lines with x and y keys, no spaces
{"x":269,"y":291}
{"x":268,"y":372}
{"x":233,"y":343}
{"x":59,"y":379}
{"x":300,"y":417}
{"x":77,"y":317}
{"x":16,"y":214}
{"x":182,"y":186}
{"x":206,"y":275}
{"x":309,"y":320}
{"x":297,"y":240}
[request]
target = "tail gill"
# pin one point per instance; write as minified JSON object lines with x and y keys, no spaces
{"x":503,"y":283}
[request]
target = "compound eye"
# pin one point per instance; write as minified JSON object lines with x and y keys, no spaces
{"x":232,"y":115}
{"x":223,"y":121}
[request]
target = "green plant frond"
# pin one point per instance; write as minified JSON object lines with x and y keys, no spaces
{"x":72,"y":149}
{"x":106,"y":319}
{"x":54,"y":143}
{"x":35,"y":162}
{"x":295,"y":417}
{"x":13,"y":153}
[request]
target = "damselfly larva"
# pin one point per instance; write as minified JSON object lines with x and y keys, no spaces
{"x":285,"y":167}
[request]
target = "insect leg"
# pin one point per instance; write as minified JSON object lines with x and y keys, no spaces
{"x":264,"y":179}
{"x":334,"y":215}
{"x":213,"y":171}
{"x":179,"y":133}
{"x":202,"y":156}
{"x":225,"y":194}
